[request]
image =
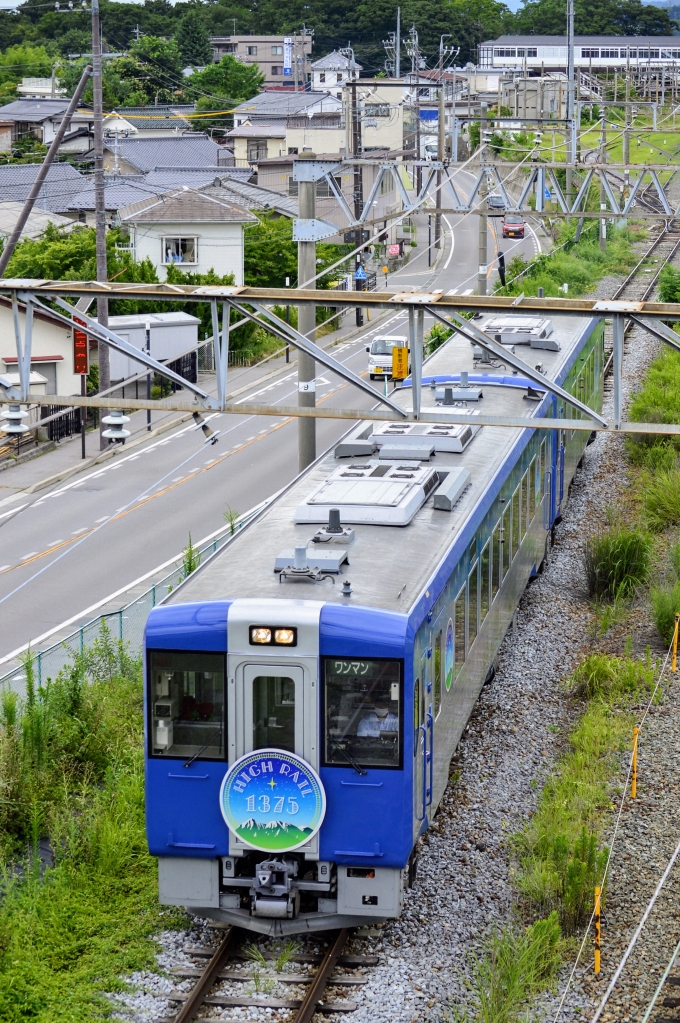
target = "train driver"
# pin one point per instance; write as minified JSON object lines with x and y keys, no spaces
{"x":378,"y":720}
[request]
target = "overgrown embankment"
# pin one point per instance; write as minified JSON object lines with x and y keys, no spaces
{"x":79,"y":895}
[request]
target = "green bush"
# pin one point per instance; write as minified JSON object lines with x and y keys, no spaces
{"x":658,"y":400}
{"x":605,"y":676}
{"x":661,"y":496}
{"x":617,"y":561}
{"x":665,"y":602}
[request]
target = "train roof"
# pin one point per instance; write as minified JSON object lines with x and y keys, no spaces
{"x":389,"y":565}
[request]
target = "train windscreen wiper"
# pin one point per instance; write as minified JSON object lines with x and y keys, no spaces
{"x":348,"y":757}
{"x":203,"y":748}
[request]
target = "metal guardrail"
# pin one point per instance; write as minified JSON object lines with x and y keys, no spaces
{"x":128,"y":622}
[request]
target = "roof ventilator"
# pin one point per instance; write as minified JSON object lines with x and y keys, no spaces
{"x":301,"y":571}
{"x":334,"y":531}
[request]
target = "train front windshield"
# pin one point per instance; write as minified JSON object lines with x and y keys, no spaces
{"x":363,"y":713}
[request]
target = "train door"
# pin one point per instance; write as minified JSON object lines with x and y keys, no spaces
{"x":423,"y":739}
{"x":273,"y":702}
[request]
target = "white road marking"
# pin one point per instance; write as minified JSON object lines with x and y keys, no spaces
{"x":53,"y":543}
{"x":102,"y":519}
{"x":454,"y":291}
{"x":453,"y":243}
{"x":3,"y":567}
{"x":468,"y":291}
{"x":5,"y":514}
{"x":177,"y":479}
{"x":25,"y":556}
{"x":83,"y":529}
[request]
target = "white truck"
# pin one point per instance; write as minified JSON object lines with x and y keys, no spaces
{"x":380,"y":355}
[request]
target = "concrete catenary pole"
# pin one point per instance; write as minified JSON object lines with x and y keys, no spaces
{"x":99,"y":204}
{"x":306,"y":323}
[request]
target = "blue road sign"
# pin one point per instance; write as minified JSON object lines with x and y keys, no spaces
{"x":360,"y":274}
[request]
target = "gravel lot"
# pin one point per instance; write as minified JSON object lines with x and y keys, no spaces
{"x":516,"y":733}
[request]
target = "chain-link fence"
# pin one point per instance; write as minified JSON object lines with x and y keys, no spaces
{"x":127,"y":623}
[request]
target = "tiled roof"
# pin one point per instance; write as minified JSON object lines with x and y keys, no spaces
{"x":62,"y":184}
{"x":281,"y":104}
{"x":156,"y":117}
{"x":116,"y":195}
{"x":39,"y":110}
{"x":37,"y":220}
{"x":334,"y":62}
{"x":258,"y":131}
{"x":186,"y":207}
{"x":255,"y":197}
{"x":178,"y":151}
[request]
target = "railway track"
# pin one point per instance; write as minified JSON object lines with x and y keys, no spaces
{"x":224,"y":984}
{"x":638,"y":287}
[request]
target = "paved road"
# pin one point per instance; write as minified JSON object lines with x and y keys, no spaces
{"x":65,"y":548}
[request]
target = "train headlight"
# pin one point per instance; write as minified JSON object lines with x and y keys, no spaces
{"x":258,"y":634}
{"x":284,"y":637}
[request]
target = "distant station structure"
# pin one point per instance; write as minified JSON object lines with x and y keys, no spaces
{"x":549,"y":53}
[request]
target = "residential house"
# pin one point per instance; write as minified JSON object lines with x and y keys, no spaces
{"x":149,"y":122}
{"x":278,"y":107}
{"x":40,"y":88}
{"x":36,"y":225}
{"x":42,"y":118}
{"x":61,"y":186}
{"x":251,"y":143}
{"x":120,"y":190}
{"x":190,"y":229}
{"x":268,"y":52}
{"x":333,"y":71}
{"x":51,"y":349}
{"x":140,"y":155}
{"x":6,"y":136}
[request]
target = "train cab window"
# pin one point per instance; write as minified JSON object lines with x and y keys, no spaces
{"x":363,"y":713}
{"x":516,"y":522}
{"x":473,"y":609}
{"x":497,"y":559}
{"x":274,"y":712}
{"x":485,"y":583}
{"x":459,"y":632}
{"x":186,"y":705}
{"x":437,"y":657}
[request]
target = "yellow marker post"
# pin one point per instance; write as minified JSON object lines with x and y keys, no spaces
{"x":597,"y":929}
{"x":633,"y":780}
{"x":674,"y":664}
{"x":384,"y":269}
{"x":399,"y":362}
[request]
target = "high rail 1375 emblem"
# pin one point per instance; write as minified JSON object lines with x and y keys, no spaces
{"x":272,"y":800}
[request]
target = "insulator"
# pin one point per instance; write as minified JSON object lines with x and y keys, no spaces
{"x":13,"y":423}
{"x":114,"y":426}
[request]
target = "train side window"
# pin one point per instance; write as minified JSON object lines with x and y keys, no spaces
{"x":459,"y":631}
{"x":473,"y":604}
{"x":506,"y":543}
{"x":362,"y":712}
{"x":187,"y":707}
{"x":525,"y":503}
{"x":531,"y":496}
{"x":437,"y":655}
{"x":544,"y":463}
{"x":516,"y":522}
{"x":497,"y":559}
{"x":485,"y":583}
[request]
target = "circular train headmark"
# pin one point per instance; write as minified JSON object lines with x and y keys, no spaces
{"x":273,"y":800}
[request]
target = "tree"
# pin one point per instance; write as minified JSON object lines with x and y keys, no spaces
{"x":227,"y":78}
{"x":18,"y":62}
{"x":593,"y":17}
{"x":221,"y":122}
{"x":193,"y":40}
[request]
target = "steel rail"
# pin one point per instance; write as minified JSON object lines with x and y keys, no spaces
{"x":207,"y":978}
{"x":313,"y":994}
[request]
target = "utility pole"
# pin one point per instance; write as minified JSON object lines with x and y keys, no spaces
{"x":603,"y":204}
{"x":441,"y":139}
{"x":397,"y":46}
{"x":99,"y":203}
{"x":571,"y":103}
{"x":306,"y":323}
{"x":483,"y":218}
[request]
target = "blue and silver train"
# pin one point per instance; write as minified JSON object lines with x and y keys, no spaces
{"x":307,"y":686}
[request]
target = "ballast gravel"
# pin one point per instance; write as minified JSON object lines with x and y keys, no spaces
{"x":463,"y":888}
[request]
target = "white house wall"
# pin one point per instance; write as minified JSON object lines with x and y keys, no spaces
{"x":49,"y":339}
{"x":220,"y":247}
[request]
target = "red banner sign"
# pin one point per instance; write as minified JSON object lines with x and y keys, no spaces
{"x":81,"y":350}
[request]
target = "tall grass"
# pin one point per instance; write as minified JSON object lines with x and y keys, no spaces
{"x":665,"y":602}
{"x":559,"y":851}
{"x":71,"y":771}
{"x":515,"y":964}
{"x":661,"y":497}
{"x":617,"y":561}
